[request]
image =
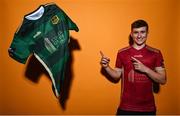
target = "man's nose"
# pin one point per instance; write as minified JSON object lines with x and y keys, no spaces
{"x":139,"y":35}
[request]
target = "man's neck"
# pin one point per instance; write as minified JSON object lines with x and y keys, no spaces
{"x":138,"y":47}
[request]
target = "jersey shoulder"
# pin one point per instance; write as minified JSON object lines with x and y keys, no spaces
{"x":124,"y":49}
{"x":152,"y":49}
{"x":49,"y":4}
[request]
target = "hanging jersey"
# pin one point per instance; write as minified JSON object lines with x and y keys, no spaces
{"x":137,"y":92}
{"x":45,"y":33}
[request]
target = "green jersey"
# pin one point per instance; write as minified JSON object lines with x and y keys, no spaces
{"x":45,"y":33}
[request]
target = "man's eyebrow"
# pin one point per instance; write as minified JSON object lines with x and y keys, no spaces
{"x":135,"y":31}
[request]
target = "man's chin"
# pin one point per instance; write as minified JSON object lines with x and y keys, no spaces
{"x":139,"y":44}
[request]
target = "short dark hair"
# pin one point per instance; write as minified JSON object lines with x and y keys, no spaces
{"x":139,"y":23}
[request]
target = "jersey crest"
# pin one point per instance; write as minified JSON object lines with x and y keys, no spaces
{"x":55,"y":19}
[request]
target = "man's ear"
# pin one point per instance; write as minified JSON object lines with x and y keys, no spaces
{"x":131,"y":33}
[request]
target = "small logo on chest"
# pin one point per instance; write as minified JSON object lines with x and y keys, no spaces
{"x":138,"y":56}
{"x":37,"y":34}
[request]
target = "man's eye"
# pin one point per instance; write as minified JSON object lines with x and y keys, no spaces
{"x":135,"y":32}
{"x":143,"y":31}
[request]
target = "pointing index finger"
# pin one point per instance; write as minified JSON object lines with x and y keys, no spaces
{"x":101,"y":53}
{"x":136,"y":60}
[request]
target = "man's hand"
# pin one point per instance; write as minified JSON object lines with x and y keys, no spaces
{"x":104,"y":60}
{"x":139,"y":66}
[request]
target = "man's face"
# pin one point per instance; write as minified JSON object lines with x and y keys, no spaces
{"x":139,"y":35}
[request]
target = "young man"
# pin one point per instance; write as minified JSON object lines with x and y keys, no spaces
{"x":138,"y":66}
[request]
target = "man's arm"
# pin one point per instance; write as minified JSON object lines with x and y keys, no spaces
{"x":159,"y":75}
{"x":114,"y":73}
